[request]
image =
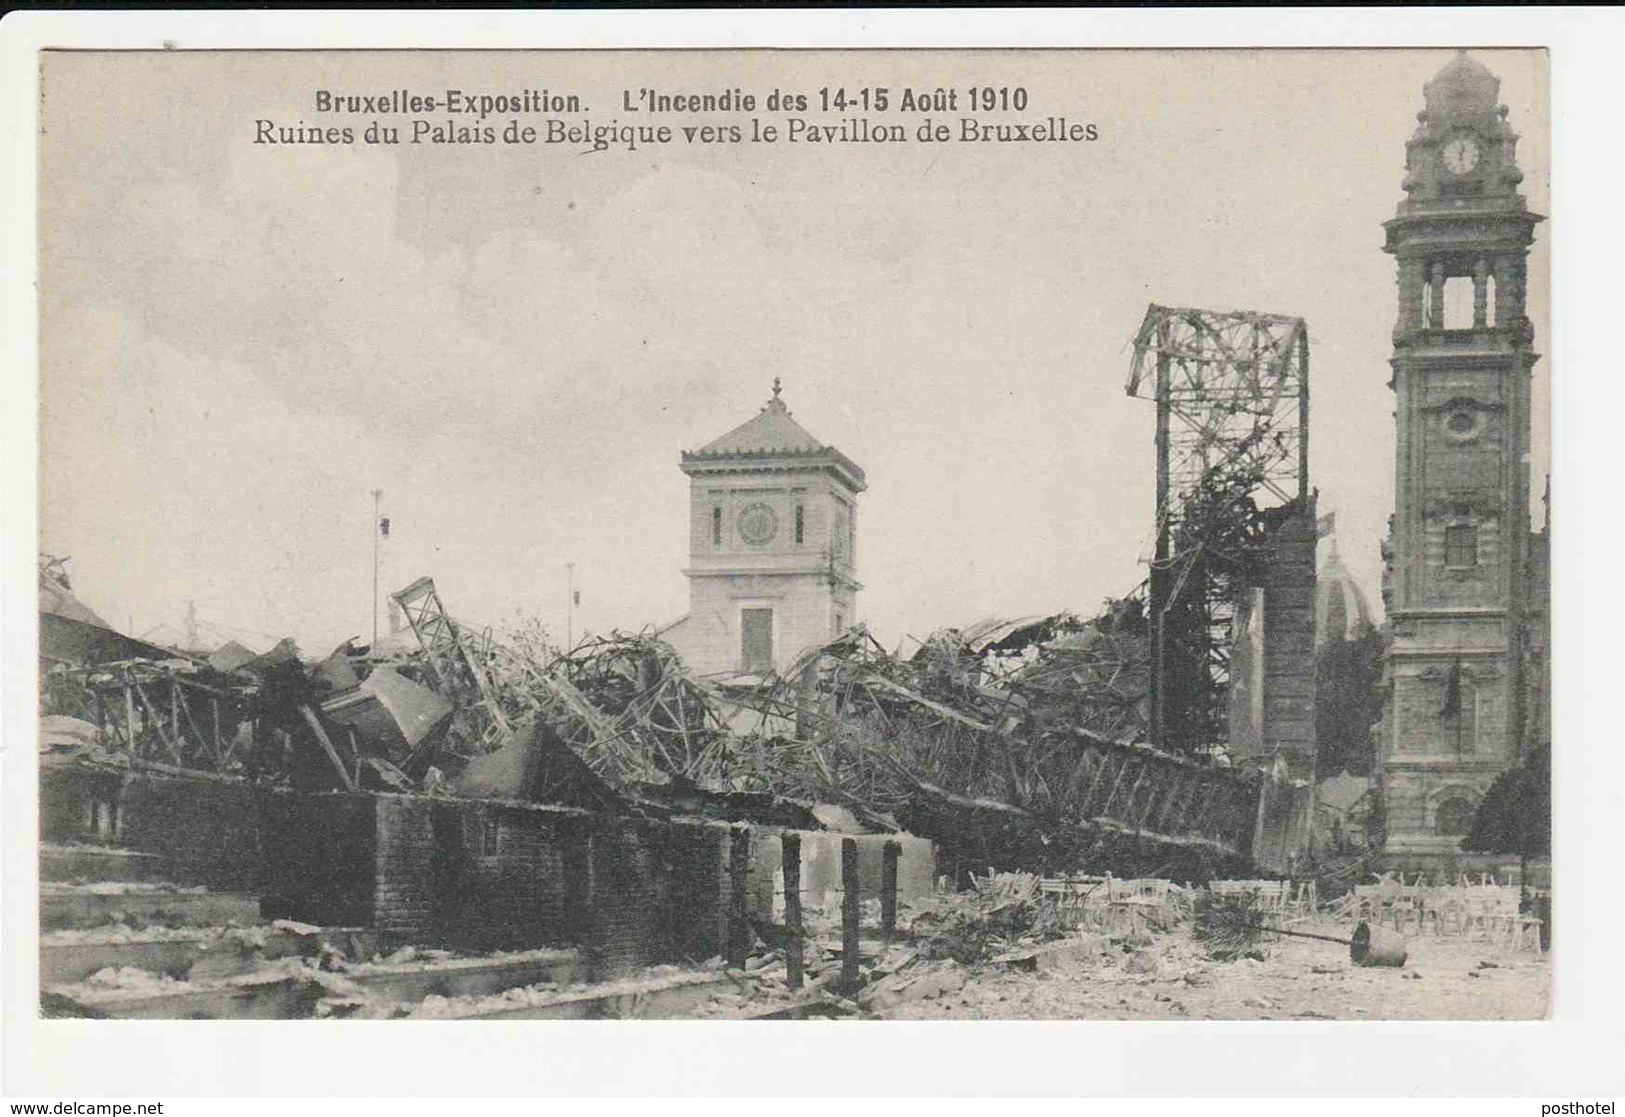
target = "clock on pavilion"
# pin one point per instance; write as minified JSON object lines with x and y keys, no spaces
{"x":772,"y":546}
{"x":1457,"y":585}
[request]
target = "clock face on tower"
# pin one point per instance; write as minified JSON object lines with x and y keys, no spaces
{"x":758,"y":525}
{"x":1460,"y":155}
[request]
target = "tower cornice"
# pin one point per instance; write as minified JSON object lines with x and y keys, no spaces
{"x":1427,"y":231}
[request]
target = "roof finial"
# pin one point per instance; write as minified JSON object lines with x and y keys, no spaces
{"x":778,"y":390}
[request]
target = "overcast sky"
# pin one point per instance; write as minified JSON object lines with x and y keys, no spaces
{"x":240,"y":341}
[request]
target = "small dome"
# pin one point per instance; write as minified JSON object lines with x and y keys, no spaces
{"x":1340,"y":605}
{"x":1462,"y":87}
{"x":1464,"y":69}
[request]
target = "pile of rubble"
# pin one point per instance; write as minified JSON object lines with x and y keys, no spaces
{"x":1023,"y":735}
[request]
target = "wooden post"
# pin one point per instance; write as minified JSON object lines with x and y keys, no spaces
{"x":355,"y":752}
{"x":219,"y":745}
{"x":129,"y":716}
{"x":889,"y":853}
{"x":850,"y":913}
{"x":738,"y":872}
{"x":327,"y":746}
{"x":790,"y":859}
{"x":155,"y":722}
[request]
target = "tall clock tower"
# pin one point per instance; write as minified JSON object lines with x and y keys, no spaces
{"x":1457,"y":579}
{"x":772,"y":567}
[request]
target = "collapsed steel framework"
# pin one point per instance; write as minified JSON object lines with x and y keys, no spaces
{"x":457,"y":668}
{"x":1232,"y":395}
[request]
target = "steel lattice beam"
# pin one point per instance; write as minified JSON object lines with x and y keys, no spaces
{"x":1232,"y":396}
{"x":457,"y":670}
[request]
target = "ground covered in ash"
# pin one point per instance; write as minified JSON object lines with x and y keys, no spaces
{"x":1170,"y":978}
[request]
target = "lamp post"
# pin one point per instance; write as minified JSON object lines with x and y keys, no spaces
{"x":377,"y":529}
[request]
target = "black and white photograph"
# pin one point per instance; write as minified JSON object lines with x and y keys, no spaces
{"x":545,"y":549}
{"x":838,"y":536}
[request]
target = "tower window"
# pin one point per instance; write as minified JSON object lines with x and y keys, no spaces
{"x":1461,"y":546}
{"x":1458,"y":303}
{"x":490,"y":838}
{"x":716,"y":526}
{"x":801,"y":524}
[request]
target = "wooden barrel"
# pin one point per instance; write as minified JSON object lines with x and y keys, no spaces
{"x":1376,"y":946}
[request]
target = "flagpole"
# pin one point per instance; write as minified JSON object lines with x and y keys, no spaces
{"x":376,"y":494}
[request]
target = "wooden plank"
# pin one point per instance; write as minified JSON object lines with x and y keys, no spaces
{"x":157,"y":723}
{"x":790,"y":860}
{"x":890,"y":852}
{"x":327,"y":746}
{"x":197,"y":730}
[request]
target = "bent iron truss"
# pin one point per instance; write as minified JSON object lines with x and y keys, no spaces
{"x":1232,"y":395}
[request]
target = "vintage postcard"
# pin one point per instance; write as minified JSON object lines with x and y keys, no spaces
{"x":764,"y":535}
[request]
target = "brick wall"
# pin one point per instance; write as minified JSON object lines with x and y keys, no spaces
{"x":499,"y":876}
{"x":319,"y":857}
{"x":473,"y":874}
{"x":490,"y":876}
{"x":65,"y":798}
{"x":627,"y":903}
{"x":656,"y":892}
{"x":1289,"y":642}
{"x":696,"y":860}
{"x":404,"y":894}
{"x":206,"y":830}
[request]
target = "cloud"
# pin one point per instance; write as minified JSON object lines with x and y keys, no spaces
{"x":247,"y":339}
